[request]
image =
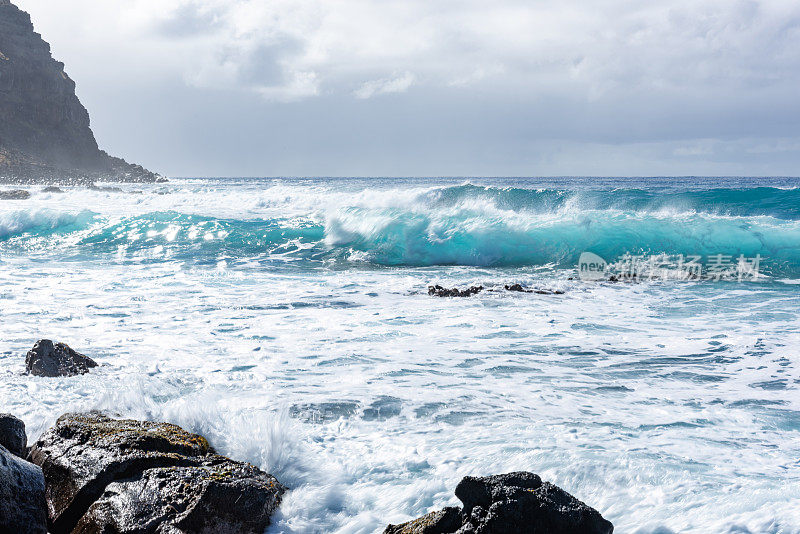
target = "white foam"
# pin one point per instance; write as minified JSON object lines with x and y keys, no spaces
{"x":669,"y":407}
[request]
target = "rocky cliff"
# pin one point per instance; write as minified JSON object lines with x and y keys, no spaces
{"x":44,"y":128}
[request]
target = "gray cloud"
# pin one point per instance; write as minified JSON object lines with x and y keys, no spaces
{"x":418,"y":87}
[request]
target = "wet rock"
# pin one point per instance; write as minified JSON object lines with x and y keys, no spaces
{"x":22,"y":496}
{"x":56,"y":359}
{"x":518,"y":288}
{"x":515,"y":503}
{"x":15,"y":194}
{"x":105,"y":189}
{"x":441,"y":522}
{"x":12,"y":435}
{"x":52,"y":189}
{"x":439,"y":291}
{"x":216,"y":496}
{"x":108,"y":475}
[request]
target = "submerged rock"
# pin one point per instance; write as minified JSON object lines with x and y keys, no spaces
{"x":515,"y":503}
{"x":15,"y":194}
{"x":439,"y":291}
{"x":105,"y":189}
{"x":56,"y":359}
{"x":125,"y":476}
{"x":12,"y":435}
{"x":22,"y":496}
{"x":518,"y":288}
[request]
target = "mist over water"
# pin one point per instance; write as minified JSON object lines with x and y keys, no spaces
{"x":289,"y":321}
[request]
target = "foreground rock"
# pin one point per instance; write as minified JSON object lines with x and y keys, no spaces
{"x":516,"y":503}
{"x":56,"y":359}
{"x":216,"y":496}
{"x":22,"y":496}
{"x":13,"y":436}
{"x":123,"y":476}
{"x":441,"y":522}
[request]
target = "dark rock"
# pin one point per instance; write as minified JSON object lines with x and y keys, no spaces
{"x":107,"y":475}
{"x":216,"y":496}
{"x":12,"y":435}
{"x":439,"y":291}
{"x":442,"y":522}
{"x":515,"y":503}
{"x":517,"y":288}
{"x":52,"y":189}
{"x":22,"y":496}
{"x":44,"y":128}
{"x":105,"y":189}
{"x":15,"y":194}
{"x":484,"y":491}
{"x":49,"y":359}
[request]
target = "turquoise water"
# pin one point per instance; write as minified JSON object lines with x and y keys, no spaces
{"x":289,"y":321}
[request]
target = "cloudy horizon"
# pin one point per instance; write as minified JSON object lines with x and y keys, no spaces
{"x":415,"y":88}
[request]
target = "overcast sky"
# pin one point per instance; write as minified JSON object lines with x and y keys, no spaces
{"x":437,"y":87}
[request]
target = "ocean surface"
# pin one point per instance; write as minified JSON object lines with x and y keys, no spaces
{"x":289,"y":321}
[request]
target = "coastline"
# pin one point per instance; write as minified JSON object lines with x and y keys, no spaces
{"x":93,"y":473}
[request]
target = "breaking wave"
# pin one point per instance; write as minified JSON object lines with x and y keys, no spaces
{"x":460,"y":225}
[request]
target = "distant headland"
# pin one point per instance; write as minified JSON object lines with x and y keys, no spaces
{"x":44,"y":129}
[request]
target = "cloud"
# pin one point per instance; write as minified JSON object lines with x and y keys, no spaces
{"x":398,"y":84}
{"x":473,"y":83}
{"x":580,"y":46}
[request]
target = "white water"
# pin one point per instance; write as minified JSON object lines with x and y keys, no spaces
{"x":668,"y":407}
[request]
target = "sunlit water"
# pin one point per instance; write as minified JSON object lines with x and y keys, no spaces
{"x":289,"y":322}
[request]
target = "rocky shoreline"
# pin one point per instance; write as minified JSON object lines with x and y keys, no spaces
{"x":19,"y":169}
{"x":92,"y":473}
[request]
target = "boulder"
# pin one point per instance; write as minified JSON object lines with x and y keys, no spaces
{"x":12,"y":435}
{"x":515,"y":503}
{"x":56,"y":359}
{"x":217,"y":496}
{"x":108,"y":475}
{"x":22,"y":497}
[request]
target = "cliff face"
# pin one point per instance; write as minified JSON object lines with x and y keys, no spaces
{"x":44,"y":128}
